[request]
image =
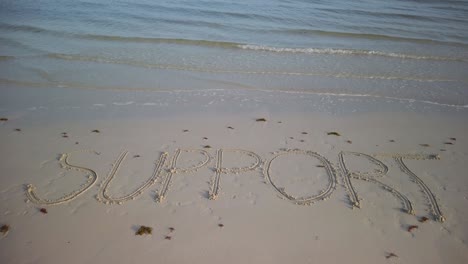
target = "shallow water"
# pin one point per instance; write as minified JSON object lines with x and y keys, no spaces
{"x":392,"y":49}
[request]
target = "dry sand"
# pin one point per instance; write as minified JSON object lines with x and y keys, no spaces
{"x":216,"y":185}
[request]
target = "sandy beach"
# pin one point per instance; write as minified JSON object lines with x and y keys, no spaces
{"x":230,"y":176}
{"x":263,"y":132}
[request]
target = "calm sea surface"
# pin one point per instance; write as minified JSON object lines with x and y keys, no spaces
{"x":392,"y":49}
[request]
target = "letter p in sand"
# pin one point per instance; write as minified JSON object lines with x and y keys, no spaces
{"x":219,"y":169}
{"x":173,"y":169}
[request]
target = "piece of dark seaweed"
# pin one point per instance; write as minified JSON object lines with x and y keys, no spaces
{"x":4,"y":229}
{"x":144,"y":230}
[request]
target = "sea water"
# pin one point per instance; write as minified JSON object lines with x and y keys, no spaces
{"x":408,"y":49}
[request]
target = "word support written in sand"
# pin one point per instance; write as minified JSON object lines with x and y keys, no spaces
{"x":166,"y":167}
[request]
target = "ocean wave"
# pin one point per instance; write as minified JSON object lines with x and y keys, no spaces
{"x":370,"y":36}
{"x":347,"y":52}
{"x":197,"y":42}
{"x":243,"y":46}
{"x":234,"y":45}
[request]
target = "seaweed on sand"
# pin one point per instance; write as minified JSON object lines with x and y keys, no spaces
{"x":4,"y":229}
{"x":333,"y":133}
{"x":144,"y":230}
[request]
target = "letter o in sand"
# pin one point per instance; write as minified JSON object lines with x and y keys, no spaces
{"x":323,"y":163}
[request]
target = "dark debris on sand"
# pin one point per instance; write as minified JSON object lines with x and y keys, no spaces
{"x":423,"y":219}
{"x":412,"y":227}
{"x":391,"y":255}
{"x":144,"y":230}
{"x":4,"y":229}
{"x":333,"y":133}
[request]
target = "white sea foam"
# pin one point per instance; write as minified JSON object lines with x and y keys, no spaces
{"x":408,"y":100}
{"x":350,"y":52}
{"x":123,"y":103}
